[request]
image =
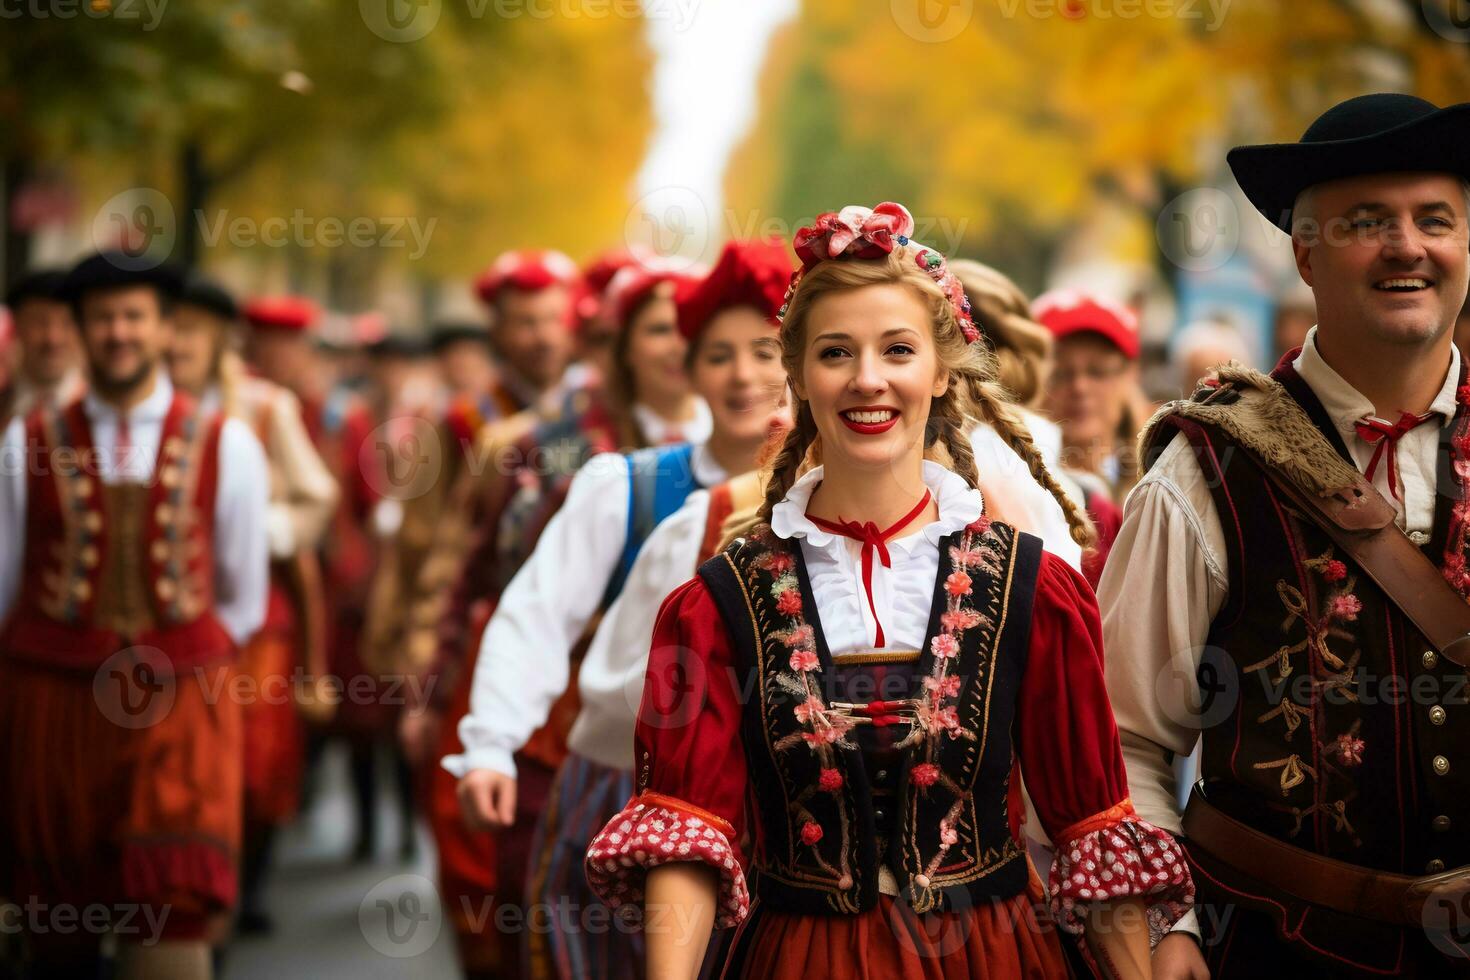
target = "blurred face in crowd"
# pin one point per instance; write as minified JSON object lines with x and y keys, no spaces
{"x":194,"y":353}
{"x":466,"y":366}
{"x":1387,"y":257}
{"x":532,"y":333}
{"x":1291,"y":327}
{"x":47,"y":335}
{"x":736,"y":368}
{"x":1091,"y":382}
{"x":870,"y":371}
{"x":656,"y":352}
{"x":596,"y":342}
{"x":125,"y":331}
{"x":283,"y":356}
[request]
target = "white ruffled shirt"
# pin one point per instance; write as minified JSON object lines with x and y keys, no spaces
{"x":525,"y":652}
{"x":903,"y":593}
{"x":660,"y":431}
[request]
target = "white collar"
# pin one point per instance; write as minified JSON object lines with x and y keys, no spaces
{"x":1345,"y":405}
{"x":153,"y":408}
{"x":959,"y":505}
{"x":707,"y":471}
{"x":659,"y":430}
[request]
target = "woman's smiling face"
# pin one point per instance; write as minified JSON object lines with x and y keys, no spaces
{"x":869,"y":372}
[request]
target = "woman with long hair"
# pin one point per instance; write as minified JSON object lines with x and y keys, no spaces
{"x":844,"y":701}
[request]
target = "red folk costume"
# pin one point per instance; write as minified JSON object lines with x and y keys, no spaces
{"x":144,"y":563}
{"x":492,"y":521}
{"x":860,"y":713}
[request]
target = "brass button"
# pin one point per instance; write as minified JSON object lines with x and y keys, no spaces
{"x":82,"y":589}
{"x":1440,"y":823}
{"x":1434,"y":867}
{"x":169,"y":476}
{"x":163,"y":514}
{"x":921,"y":880}
{"x":159,"y":550}
{"x":882,"y":774}
{"x":166,"y":591}
{"x":84,"y":486}
{"x":89,"y":556}
{"x":92,"y":521}
{"x":1430,"y":658}
{"x":1441,"y":765}
{"x":1436,"y":715}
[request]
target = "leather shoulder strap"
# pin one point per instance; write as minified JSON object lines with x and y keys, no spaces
{"x":1276,"y":433}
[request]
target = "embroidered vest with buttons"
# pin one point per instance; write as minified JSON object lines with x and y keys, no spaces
{"x":821,"y":774}
{"x":121,"y":565}
{"x":1329,"y":722}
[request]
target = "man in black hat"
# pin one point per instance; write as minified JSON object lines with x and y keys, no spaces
{"x":50,"y":368}
{"x":1334,"y":737}
{"x":133,"y":566}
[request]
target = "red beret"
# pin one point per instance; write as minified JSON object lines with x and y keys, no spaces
{"x":290,"y":313}
{"x":747,"y":273}
{"x":631,"y":286}
{"x":1066,"y":312}
{"x":597,"y":275}
{"x":529,"y":270}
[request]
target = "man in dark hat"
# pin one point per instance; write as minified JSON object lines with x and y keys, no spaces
{"x":50,"y":367}
{"x":1333,"y":733}
{"x":138,"y":519}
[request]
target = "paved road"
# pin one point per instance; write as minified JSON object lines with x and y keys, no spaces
{"x":336,"y":919}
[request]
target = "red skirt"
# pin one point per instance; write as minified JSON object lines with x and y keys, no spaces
{"x":119,"y":792}
{"x":1004,"y":940}
{"x":274,"y":748}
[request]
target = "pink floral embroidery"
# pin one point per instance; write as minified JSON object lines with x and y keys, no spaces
{"x":788,"y":603}
{"x":1346,"y":606}
{"x":980,"y":525}
{"x":811,"y":832}
{"x":947,"y":834}
{"x":925,"y":774}
{"x":1348,"y":748}
{"x":1334,"y":571}
{"x":823,"y":736}
{"x":945,"y":645}
{"x":830,"y":780}
{"x":808,"y":708}
{"x":958,"y":620}
{"x":958,"y":583}
{"x":800,"y":636}
{"x":944,"y":687}
{"x":805,"y":660}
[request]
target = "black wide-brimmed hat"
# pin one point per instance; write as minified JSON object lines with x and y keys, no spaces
{"x":117,"y":270}
{"x":203,"y":292}
{"x":1371,"y":134}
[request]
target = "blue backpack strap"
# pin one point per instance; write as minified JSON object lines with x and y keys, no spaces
{"x":660,"y":479}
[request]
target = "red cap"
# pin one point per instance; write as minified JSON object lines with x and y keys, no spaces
{"x":528,"y":270}
{"x":747,"y":273}
{"x":1069,"y":311}
{"x":597,"y":275}
{"x":631,"y":286}
{"x":290,"y":313}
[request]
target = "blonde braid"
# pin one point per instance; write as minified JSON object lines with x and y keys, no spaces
{"x":785,"y":466}
{"x":990,"y":398}
{"x":947,"y":413}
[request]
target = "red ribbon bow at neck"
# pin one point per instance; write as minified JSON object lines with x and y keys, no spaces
{"x":1384,"y":436}
{"x":874,"y":541}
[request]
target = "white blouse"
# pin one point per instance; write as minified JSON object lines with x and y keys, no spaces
{"x":660,"y":431}
{"x":903,"y":594}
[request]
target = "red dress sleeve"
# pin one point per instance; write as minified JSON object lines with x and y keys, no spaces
{"x":1073,"y":767}
{"x":689,"y":763}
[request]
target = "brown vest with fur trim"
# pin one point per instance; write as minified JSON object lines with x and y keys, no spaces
{"x":1325,"y":722}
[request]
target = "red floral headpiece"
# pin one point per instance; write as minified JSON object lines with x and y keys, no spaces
{"x":857,"y":232}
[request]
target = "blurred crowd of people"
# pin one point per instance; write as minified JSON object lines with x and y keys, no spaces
{"x":388,"y":512}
